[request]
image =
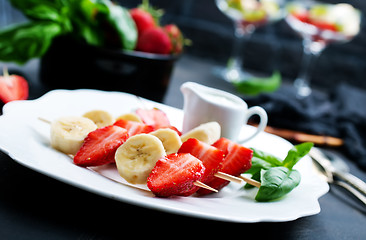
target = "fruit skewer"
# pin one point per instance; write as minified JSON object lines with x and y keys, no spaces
{"x":218,"y":174}
{"x":89,"y":151}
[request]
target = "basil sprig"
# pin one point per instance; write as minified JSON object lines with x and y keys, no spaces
{"x":96,"y":22}
{"x":277,"y":177}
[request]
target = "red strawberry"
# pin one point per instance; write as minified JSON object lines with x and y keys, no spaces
{"x":154,"y":40}
{"x":323,"y":25}
{"x":173,"y":128}
{"x":175,"y":174}
{"x":134,"y":128}
{"x":303,"y":16}
{"x":142,"y":19}
{"x":100,"y":146}
{"x":237,"y":160}
{"x":175,"y":36}
{"x":154,"y":117}
{"x":211,"y":157}
{"x":13,"y":87}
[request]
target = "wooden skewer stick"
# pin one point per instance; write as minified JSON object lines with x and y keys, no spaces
{"x":251,"y":181}
{"x":197,"y":183}
{"x":202,"y":185}
{"x":228,"y":177}
{"x":44,"y":120}
{"x":239,"y":179}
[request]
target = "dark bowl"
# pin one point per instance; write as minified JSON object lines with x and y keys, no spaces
{"x":69,"y":64}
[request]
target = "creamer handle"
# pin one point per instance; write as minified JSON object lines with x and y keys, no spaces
{"x":256,"y":110}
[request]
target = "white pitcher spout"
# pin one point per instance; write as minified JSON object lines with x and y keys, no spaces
{"x":188,"y":89}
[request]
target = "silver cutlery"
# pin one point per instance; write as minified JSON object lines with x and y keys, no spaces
{"x":339,"y":170}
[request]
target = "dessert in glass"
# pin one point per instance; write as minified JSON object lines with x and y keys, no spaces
{"x":246,"y":15}
{"x":319,"y":24}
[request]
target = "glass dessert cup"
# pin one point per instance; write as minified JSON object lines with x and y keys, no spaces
{"x":247,"y":15}
{"x":319,"y":24}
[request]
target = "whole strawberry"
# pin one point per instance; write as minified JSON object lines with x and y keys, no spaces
{"x":143,"y":19}
{"x":176,"y":37}
{"x":154,"y":40}
{"x":12,"y":87}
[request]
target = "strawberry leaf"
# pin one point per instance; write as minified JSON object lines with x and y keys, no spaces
{"x":155,"y":12}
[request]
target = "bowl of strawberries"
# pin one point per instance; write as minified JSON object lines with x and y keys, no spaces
{"x":142,"y":66}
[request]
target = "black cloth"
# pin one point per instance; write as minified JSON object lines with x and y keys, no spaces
{"x":342,"y":113}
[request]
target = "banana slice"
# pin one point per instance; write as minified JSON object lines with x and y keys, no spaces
{"x":100,"y":118}
{"x":137,"y":157}
{"x":208,"y":132}
{"x":68,"y":133}
{"x":130,"y":117}
{"x":170,"y":139}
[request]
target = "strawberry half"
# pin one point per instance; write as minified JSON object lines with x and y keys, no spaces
{"x":133,"y":127}
{"x":237,"y":160}
{"x":154,"y":117}
{"x":211,"y":157}
{"x":175,"y":174}
{"x":13,"y":87}
{"x":100,"y":146}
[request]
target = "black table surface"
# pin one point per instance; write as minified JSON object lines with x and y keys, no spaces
{"x":34,"y":206}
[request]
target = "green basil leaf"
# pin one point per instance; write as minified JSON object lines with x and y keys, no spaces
{"x":45,"y":10}
{"x":276,"y":182}
{"x":124,"y":25}
{"x":258,"y":164}
{"x":269,"y":158}
{"x":296,"y":153}
{"x":255,"y":176}
{"x":87,"y":22}
{"x":40,"y":9}
{"x":23,"y":42}
{"x":254,"y":86}
{"x":102,"y":23}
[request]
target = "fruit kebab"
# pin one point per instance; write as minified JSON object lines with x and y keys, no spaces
{"x":97,"y":146}
{"x":101,"y":144}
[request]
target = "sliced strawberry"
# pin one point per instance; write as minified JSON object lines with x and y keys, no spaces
{"x":175,"y":174}
{"x":100,"y":146}
{"x":154,"y":117}
{"x":133,"y":127}
{"x":237,"y":160}
{"x":173,"y":128}
{"x":13,"y":87}
{"x":211,"y":157}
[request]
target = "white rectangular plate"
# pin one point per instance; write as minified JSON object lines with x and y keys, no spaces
{"x":26,"y":140}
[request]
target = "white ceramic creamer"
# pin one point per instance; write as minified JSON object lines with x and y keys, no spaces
{"x":204,"y":104}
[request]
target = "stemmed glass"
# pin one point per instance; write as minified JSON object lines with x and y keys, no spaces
{"x":246,"y":15}
{"x":319,"y":24}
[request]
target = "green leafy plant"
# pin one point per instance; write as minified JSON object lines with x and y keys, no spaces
{"x":277,"y":176}
{"x":97,"y":22}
